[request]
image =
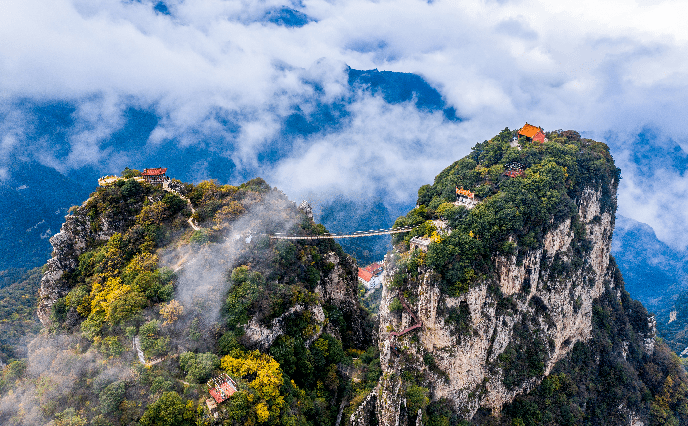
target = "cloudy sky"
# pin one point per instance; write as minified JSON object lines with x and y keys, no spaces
{"x":224,"y":75}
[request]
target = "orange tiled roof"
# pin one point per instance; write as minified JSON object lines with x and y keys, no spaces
{"x":222,"y":392}
{"x":464,"y":192}
{"x":154,"y":172}
{"x":364,"y":275}
{"x":529,"y":131}
{"x":373,"y":267}
{"x":513,"y":173}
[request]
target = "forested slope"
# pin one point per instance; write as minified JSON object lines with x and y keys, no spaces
{"x":282,"y":318}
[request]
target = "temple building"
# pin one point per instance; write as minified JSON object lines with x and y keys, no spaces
{"x":155,"y":176}
{"x":465,"y":198}
{"x":514,"y":170}
{"x":371,"y":275}
{"x":224,"y":387}
{"x":532,"y":133}
{"x":464,"y":193}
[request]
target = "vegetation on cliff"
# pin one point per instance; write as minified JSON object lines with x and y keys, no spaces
{"x":18,"y":318}
{"x":609,"y":380}
{"x":514,"y":213}
{"x":135,"y":282}
{"x":621,"y":374}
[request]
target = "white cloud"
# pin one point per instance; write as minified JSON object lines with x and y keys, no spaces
{"x":385,"y":148}
{"x":655,"y":194}
{"x":602,"y":66}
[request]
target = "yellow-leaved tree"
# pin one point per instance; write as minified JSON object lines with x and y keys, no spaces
{"x":171,"y":312}
{"x":266,"y":384}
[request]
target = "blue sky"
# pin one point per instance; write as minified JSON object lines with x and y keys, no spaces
{"x":225,"y":76}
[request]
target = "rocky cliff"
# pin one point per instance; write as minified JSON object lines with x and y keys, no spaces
{"x":77,"y":235}
{"x":518,"y":315}
{"x":523,"y":304}
{"x":204,"y":297}
{"x":337,"y":289}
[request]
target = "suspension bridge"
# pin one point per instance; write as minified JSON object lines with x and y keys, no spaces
{"x":357,"y":234}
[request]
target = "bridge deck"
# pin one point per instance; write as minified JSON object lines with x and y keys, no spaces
{"x":333,"y":236}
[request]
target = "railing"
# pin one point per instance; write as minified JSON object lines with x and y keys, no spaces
{"x":418,"y":323}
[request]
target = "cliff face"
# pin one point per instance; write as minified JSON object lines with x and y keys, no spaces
{"x":338,"y":289}
{"x":521,"y":282}
{"x":526,"y":301}
{"x":76,"y":236}
{"x":67,"y":244}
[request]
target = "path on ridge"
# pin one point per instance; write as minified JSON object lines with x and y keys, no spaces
{"x":165,"y":186}
{"x":372,"y":232}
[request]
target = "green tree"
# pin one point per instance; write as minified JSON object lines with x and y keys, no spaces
{"x":69,"y":417}
{"x":198,"y":367}
{"x":174,"y":203}
{"x":131,"y":189}
{"x":128,"y":173}
{"x":169,"y":410}
{"x":416,"y":398}
{"x":111,"y":397}
{"x":246,"y":288}
{"x":151,"y":342}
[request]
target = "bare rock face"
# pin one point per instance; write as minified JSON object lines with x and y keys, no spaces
{"x":471,"y":361}
{"x":68,"y":245}
{"x":76,"y":235}
{"x":338,"y":288}
{"x":259,"y":336}
{"x":365,"y":414}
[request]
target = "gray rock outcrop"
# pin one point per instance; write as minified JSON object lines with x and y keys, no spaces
{"x":468,"y":370}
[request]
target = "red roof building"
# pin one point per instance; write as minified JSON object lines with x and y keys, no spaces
{"x":154,"y":172}
{"x":513,"y":173}
{"x":371,"y":275}
{"x":224,"y":388}
{"x":222,"y":393}
{"x":464,"y":193}
{"x":155,"y":176}
{"x":374,"y":268}
{"x":364,"y":275}
{"x":532,"y":133}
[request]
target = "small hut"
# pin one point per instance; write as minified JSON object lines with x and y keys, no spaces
{"x":464,"y":193}
{"x":465,"y":198}
{"x":513,"y":173}
{"x":514,"y":170}
{"x":371,"y":275}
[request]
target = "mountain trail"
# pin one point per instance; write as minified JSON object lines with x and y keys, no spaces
{"x":166,"y":187}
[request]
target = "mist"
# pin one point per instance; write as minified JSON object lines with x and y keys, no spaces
{"x":203,"y":271}
{"x":222,"y":81}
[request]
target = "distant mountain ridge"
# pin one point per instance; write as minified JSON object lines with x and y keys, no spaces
{"x":47,"y":193}
{"x":657,"y":275}
{"x":33,"y":203}
{"x":654,"y":272}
